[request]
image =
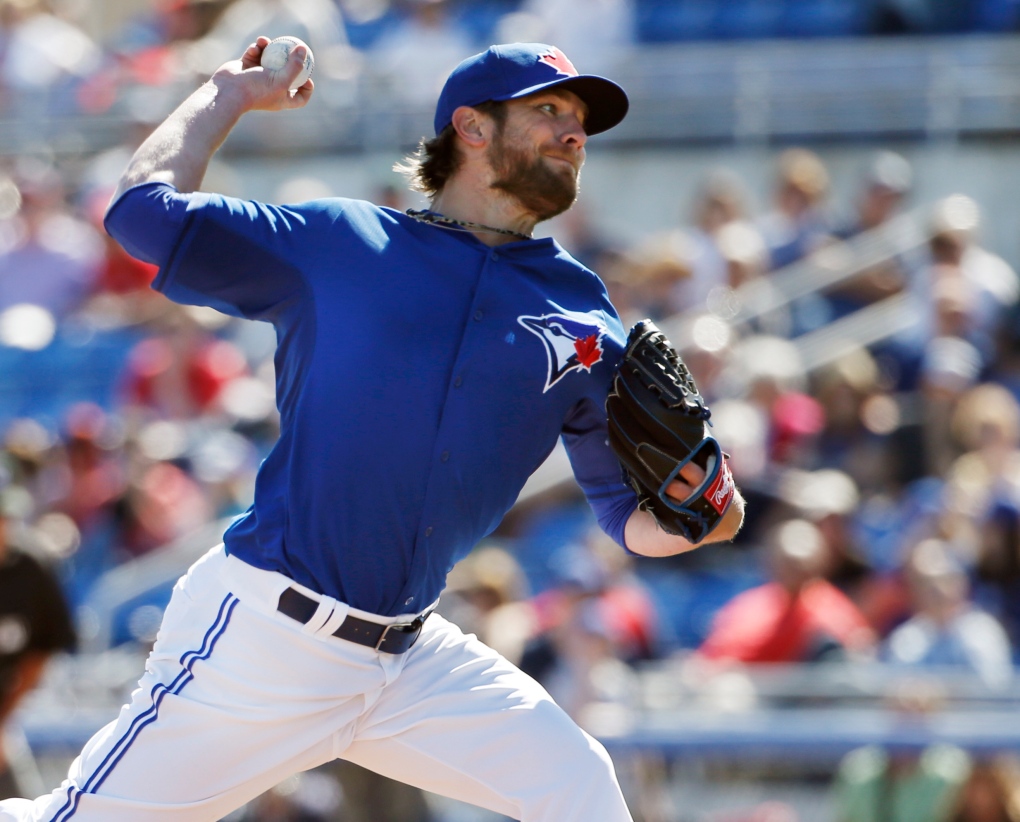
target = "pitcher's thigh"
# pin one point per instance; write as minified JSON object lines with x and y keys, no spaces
{"x":197,"y":739}
{"x":463,"y":722}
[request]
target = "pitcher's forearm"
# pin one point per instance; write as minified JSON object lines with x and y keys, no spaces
{"x":179,"y":150}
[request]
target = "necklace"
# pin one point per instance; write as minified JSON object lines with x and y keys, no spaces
{"x":442,"y":221}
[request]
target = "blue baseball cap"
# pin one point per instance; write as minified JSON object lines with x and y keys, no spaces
{"x":518,"y":69}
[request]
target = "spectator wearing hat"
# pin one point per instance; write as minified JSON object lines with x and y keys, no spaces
{"x":947,"y":629}
{"x":797,"y":224}
{"x":884,"y":189}
{"x":961,"y":289}
{"x":983,"y":495}
{"x":885,"y":185}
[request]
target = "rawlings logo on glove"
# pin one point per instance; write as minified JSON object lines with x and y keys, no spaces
{"x":658,"y":424}
{"x":720,"y":493}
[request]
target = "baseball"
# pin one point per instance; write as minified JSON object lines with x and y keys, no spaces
{"x":275,"y":54}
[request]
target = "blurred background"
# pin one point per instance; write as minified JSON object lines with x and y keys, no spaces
{"x":814,"y":198}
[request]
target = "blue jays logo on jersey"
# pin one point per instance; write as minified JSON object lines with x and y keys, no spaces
{"x":572,"y":340}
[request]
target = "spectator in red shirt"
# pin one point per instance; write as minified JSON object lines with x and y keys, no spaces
{"x":798,"y":616}
{"x":180,"y":372}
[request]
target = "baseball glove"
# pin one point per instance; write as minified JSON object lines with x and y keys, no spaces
{"x":658,"y":422}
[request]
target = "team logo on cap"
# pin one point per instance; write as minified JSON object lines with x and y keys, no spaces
{"x":558,"y":60}
{"x":572,"y":340}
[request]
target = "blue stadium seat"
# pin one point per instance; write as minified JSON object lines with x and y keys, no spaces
{"x":749,"y":19}
{"x":480,"y":17}
{"x":363,"y":36}
{"x":660,"y":21}
{"x":996,"y":15}
{"x":823,"y":18}
{"x":543,"y":535}
{"x":44,"y":384}
{"x":665,"y":21}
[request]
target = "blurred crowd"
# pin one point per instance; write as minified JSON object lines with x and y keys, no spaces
{"x":861,"y":358}
{"x":882,"y":474}
{"x":61,"y":57}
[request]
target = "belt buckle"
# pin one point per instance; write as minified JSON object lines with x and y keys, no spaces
{"x":387,"y":629}
{"x":416,"y":625}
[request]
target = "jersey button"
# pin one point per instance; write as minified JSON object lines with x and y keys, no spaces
{"x":478,"y":315}
{"x":408,"y":601}
{"x":495,"y":257}
{"x":445,"y":456}
{"x":428,"y":531}
{"x":457,"y":383}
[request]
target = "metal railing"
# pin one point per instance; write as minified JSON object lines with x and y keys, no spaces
{"x":831,"y":266}
{"x":808,"y":713}
{"x":924,"y":87}
{"x":814,"y":713}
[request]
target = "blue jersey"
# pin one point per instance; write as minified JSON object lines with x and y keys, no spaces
{"x":422,"y":376}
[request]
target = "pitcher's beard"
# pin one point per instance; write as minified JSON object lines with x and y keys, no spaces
{"x":537,"y":187}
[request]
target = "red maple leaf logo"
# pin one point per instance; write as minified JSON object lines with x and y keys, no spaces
{"x":588,"y":351}
{"x":558,"y":60}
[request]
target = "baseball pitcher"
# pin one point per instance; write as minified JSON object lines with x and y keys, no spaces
{"x":427,"y":364}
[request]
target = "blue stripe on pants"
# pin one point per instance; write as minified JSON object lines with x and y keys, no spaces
{"x":150,"y":715}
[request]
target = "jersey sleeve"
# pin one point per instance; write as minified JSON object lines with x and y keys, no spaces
{"x":236,"y":256}
{"x":146,"y":220}
{"x":596,"y":469}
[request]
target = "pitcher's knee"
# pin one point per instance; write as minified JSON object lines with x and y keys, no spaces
{"x":581,"y":758}
{"x":575,"y":782}
{"x":595,"y":768}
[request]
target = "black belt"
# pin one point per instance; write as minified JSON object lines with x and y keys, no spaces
{"x":390,"y":639}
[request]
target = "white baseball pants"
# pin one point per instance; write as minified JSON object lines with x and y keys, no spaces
{"x":236,"y":697}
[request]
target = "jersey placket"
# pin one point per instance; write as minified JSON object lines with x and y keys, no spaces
{"x":444,"y":455}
